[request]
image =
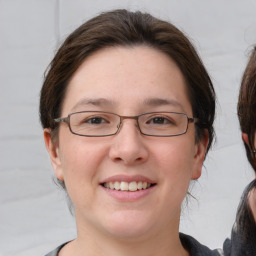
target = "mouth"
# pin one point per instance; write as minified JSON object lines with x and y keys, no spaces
{"x":128,"y":186}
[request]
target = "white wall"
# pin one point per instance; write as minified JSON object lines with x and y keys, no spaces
{"x":33,"y":215}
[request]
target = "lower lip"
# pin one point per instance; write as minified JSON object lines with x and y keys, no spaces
{"x":128,"y":195}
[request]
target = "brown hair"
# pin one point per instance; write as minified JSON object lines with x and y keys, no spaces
{"x":125,"y":28}
{"x":246,"y":107}
{"x":246,"y":224}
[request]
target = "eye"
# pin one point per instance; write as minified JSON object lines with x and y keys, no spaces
{"x":159,"y":120}
{"x":95,"y":120}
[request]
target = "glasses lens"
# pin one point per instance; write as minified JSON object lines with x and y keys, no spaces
{"x":163,"y":124}
{"x":94,"y":123}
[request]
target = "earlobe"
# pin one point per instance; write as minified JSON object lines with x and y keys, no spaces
{"x":245,"y":138}
{"x":200,"y":152}
{"x":53,"y":152}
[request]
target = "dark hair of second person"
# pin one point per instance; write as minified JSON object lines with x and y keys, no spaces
{"x":246,"y":108}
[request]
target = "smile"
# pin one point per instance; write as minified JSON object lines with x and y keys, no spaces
{"x":128,"y":186}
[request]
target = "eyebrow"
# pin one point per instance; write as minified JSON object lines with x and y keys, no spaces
{"x":102,"y":102}
{"x":156,"y":102}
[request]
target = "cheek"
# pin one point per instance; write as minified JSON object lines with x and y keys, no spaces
{"x":176,"y":163}
{"x":81,"y":163}
{"x":80,"y":160}
{"x":176,"y":157}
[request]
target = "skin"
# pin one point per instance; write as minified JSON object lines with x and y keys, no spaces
{"x":148,"y":225}
{"x":252,"y":193}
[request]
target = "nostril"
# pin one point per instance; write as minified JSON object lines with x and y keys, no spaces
{"x":117,"y":159}
{"x":139,"y":159}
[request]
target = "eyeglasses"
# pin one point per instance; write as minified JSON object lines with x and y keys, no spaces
{"x":100,"y":124}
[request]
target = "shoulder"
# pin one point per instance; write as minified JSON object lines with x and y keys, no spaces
{"x":56,"y":251}
{"x":197,"y":249}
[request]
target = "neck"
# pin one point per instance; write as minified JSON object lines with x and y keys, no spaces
{"x":94,"y":242}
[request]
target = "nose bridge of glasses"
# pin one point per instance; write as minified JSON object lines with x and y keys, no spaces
{"x":128,"y":117}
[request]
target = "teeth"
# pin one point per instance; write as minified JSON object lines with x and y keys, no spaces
{"x":133,"y":186}
{"x":117,"y":185}
{"x":125,"y":186}
{"x":111,"y":185}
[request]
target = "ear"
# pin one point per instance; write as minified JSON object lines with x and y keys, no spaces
{"x":199,"y":156}
{"x":53,"y":152}
{"x":245,"y":138}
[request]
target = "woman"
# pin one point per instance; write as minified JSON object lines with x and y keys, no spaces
{"x":244,"y":235}
{"x":127,"y":109}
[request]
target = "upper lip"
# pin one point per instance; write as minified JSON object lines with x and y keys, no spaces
{"x":128,"y":178}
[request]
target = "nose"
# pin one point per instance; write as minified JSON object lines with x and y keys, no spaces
{"x":127,"y":146}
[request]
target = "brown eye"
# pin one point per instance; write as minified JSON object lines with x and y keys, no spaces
{"x":96,"y":120}
{"x":159,"y":120}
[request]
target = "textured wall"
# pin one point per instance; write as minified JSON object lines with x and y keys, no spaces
{"x":33,"y":214}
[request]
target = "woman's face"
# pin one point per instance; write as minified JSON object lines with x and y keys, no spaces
{"x":128,"y":82}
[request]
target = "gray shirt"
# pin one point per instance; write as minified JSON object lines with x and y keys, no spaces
{"x":191,"y":244}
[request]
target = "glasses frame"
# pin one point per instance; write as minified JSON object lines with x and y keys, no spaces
{"x":67,"y":120}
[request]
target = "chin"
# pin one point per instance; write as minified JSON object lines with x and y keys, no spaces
{"x":129,"y":225}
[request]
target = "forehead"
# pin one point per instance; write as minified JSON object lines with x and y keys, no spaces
{"x":127,"y":77}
